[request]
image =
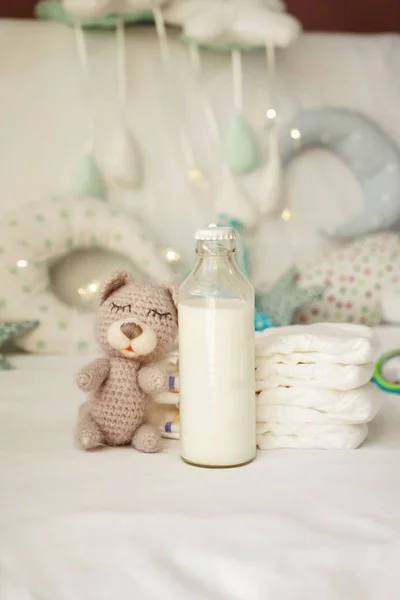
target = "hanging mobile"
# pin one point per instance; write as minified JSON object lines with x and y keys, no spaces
{"x":86,"y":179}
{"x":387,"y":376}
{"x":232,"y":206}
{"x":239,"y":144}
{"x":125,"y":161}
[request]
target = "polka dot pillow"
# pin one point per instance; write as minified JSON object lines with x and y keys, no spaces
{"x":355,"y":277}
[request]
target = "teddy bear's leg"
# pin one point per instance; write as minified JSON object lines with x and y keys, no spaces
{"x":88,"y":434}
{"x":146,"y":439}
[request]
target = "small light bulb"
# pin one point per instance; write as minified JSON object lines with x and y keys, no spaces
{"x":212,"y":225}
{"x":295,"y":134}
{"x":286,"y":214}
{"x":22,"y":264}
{"x":93,"y":287}
{"x":195,"y":175}
{"x":271,"y":113}
{"x":172,"y":255}
{"x":81,"y":291}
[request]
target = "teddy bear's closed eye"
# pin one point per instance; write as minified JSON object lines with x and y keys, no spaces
{"x":155,"y":312}
{"x":119,"y":308}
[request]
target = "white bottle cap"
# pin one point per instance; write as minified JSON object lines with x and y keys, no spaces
{"x":215,"y":233}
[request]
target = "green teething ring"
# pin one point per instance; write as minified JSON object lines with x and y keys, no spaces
{"x":387,"y":386}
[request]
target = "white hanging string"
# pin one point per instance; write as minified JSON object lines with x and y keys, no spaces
{"x":271,"y":69}
{"x":195,"y":61}
{"x":162,"y":37}
{"x":167,"y":61}
{"x":273,"y":171}
{"x":86,"y":82}
{"x":237,"y":80}
{"x":273,"y":118}
{"x":81,"y":47}
{"x":121,"y":66}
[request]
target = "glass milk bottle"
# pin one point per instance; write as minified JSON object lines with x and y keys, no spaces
{"x":216,"y":356}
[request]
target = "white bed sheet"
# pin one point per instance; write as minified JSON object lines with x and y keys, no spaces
{"x":116,"y":524}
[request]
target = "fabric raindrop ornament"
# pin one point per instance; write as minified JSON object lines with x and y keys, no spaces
{"x":86,"y":180}
{"x":240,"y":146}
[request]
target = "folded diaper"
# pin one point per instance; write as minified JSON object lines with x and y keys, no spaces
{"x":350,"y":344}
{"x":271,"y":374}
{"x":280,"y":413}
{"x":170,"y":363}
{"x":283,"y":404}
{"x":272,"y":436}
{"x":165,"y":417}
{"x":163,"y":411}
{"x":305,"y":357}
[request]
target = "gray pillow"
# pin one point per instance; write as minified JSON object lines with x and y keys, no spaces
{"x":369,"y":152}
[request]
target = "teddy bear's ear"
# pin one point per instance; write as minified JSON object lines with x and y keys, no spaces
{"x":173,"y":290}
{"x":116,"y":280}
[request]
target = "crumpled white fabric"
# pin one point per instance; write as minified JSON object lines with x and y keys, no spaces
{"x":349,"y":344}
{"x":272,"y":436}
{"x":312,"y":375}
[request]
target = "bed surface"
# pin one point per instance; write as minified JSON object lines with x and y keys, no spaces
{"x":118,"y":524}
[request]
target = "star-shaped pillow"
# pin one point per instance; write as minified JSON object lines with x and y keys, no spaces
{"x":10,"y":330}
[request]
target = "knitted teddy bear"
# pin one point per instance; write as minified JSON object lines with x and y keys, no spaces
{"x":136,"y":325}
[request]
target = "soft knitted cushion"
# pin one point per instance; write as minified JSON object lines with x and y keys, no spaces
{"x":33,"y":237}
{"x":358,"y":279}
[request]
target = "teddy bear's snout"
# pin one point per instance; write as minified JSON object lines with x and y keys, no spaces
{"x":132,"y":338}
{"x":131,"y":330}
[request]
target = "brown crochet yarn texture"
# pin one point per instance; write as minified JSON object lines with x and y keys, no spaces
{"x":115,"y":412}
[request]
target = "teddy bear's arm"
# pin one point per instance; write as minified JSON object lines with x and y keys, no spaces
{"x":153,"y":380}
{"x":91,"y":377}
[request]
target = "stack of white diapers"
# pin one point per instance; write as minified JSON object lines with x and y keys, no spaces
{"x":313,"y":386}
{"x":163,"y":411}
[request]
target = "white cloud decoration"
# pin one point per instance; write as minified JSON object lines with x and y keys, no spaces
{"x":247,"y":22}
{"x":174,"y":12}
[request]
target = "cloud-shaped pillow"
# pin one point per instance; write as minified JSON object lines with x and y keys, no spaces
{"x":248,"y":22}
